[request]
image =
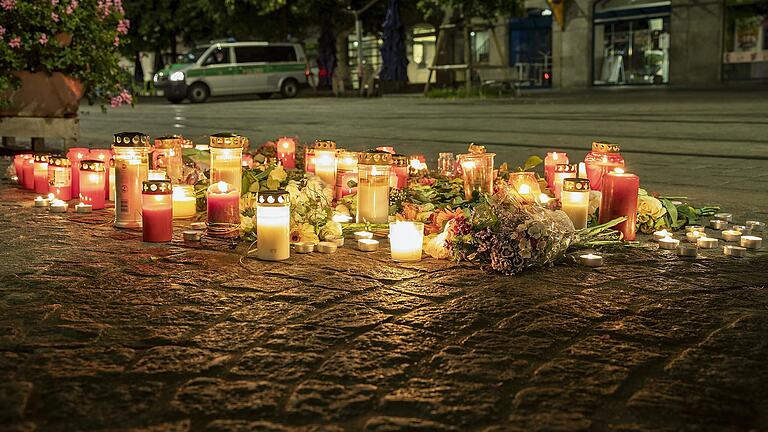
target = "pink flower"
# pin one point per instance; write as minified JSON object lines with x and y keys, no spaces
{"x":55,"y":17}
{"x":116,"y":42}
{"x":126,"y":96}
{"x":54,"y":2}
{"x":8,"y":4}
{"x":71,"y":8}
{"x":15,"y":42}
{"x":123,"y":26}
{"x":43,"y":39}
{"x":2,"y":32}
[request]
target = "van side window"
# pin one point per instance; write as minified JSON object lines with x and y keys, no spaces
{"x":265,"y":54}
{"x":218,"y":56}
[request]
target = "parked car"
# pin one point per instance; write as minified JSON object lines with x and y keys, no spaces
{"x":234,"y":68}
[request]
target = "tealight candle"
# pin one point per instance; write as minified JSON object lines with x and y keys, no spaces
{"x":591,"y":260}
{"x":406,"y":240}
{"x":734,"y":251}
{"x":198,"y":225}
{"x":658,"y":235}
{"x":367,"y":245}
{"x":192,"y":236}
{"x":731,"y":235}
{"x":755,"y":226}
{"x":326,"y":247}
{"x":707,"y":242}
{"x":687,"y":250}
{"x":668,"y":243}
{"x":693,"y":236}
{"x":41,"y":202}
{"x":83,"y":208}
{"x":724,"y":216}
{"x":339,"y":241}
{"x":58,"y":206}
{"x":690,"y":228}
{"x":718,"y":224}
{"x":751,"y":242}
{"x":304,"y":247}
{"x":359,"y":235}
{"x":745,"y":230}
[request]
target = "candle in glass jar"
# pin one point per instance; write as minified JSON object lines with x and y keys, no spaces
{"x":286,"y":152}
{"x":603,"y":159}
{"x":184,"y":201}
{"x":104,"y":155}
{"x":575,"y":201}
{"x":373,"y":187}
{"x":60,"y":177}
{"x":167,"y":157}
{"x":562,"y":172}
{"x":620,"y":200}
{"x":309,"y":160}
{"x":477,"y":171}
{"x":18,"y":165}
{"x":223,"y":210}
{"x":552,"y":159}
{"x":346,"y":172}
{"x":400,"y":170}
{"x":92,"y":183}
{"x":446,"y":164}
{"x":41,"y":173}
{"x":325,"y":161}
{"x":273,"y":226}
{"x":75,"y":155}
{"x":226,"y":159}
{"x":525,"y":186}
{"x":28,"y":171}
{"x":131,"y":154}
{"x":157,"y":211}
{"x":405,"y":240}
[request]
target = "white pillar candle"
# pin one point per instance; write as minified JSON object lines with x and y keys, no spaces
{"x":735,"y":251}
{"x":687,"y":250}
{"x":405,"y":240}
{"x":731,"y":235}
{"x":591,"y":260}
{"x":575,"y":201}
{"x":707,"y":243}
{"x":751,"y":242}
{"x":368,"y":245}
{"x":273,"y":226}
{"x":668,"y":243}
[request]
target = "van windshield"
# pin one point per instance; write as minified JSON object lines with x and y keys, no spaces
{"x":191,"y":56}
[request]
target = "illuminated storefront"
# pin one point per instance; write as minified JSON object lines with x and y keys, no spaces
{"x":745,"y":40}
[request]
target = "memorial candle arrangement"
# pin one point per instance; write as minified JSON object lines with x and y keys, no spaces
{"x":525,"y":186}
{"x":562,"y":172}
{"x":184,"y":201}
{"x":167,"y":157}
{"x":105,"y":155}
{"x":286,"y":152}
{"x":575,"y":201}
{"x":60,"y":177}
{"x":223,"y":210}
{"x":91,"y":173}
{"x":41,"y":173}
{"x":131,"y":153}
{"x":373,"y":186}
{"x":399,"y":171}
{"x":552,"y":159}
{"x":226,"y":159}
{"x":28,"y":173}
{"x":157,"y":211}
{"x":273,"y":226}
{"x":603,"y":159}
{"x":406,"y":240}
{"x":325,"y":161}
{"x":620,"y":200}
{"x":346,"y":172}
{"x":477,"y":169}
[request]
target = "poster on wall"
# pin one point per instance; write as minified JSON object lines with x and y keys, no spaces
{"x":748,"y":34}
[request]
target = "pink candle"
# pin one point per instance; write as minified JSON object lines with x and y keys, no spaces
{"x":343,"y":189}
{"x":18,"y":166}
{"x":620,"y":199}
{"x":75,"y":155}
{"x":157,"y":211}
{"x":309,"y":160}
{"x":603,"y":159}
{"x":104,"y":155}
{"x":28,"y":171}
{"x":552,"y":159}
{"x":223,"y":209}
{"x":400,"y":170}
{"x":60,"y":177}
{"x":91,"y":182}
{"x":562,"y":172}
{"x":41,"y":174}
{"x":286,"y":152}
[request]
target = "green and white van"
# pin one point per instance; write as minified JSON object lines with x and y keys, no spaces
{"x":234,"y":68}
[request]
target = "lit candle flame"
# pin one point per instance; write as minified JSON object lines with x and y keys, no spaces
{"x":222,"y":186}
{"x":51,"y":196}
{"x":525,"y":189}
{"x":618,"y":170}
{"x":544,"y":198}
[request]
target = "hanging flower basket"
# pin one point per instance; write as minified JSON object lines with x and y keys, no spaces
{"x":44,"y":95}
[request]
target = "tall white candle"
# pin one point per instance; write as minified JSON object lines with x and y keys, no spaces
{"x":575,"y":201}
{"x":273,"y":226}
{"x":405,"y":240}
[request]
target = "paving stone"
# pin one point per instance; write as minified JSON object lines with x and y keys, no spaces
{"x":393,"y":424}
{"x":177,"y":360}
{"x":330,"y":401}
{"x":83,"y":362}
{"x":277,"y":365}
{"x":212,"y":396}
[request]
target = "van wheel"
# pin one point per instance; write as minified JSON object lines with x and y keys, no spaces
{"x":264,"y":95}
{"x":175,"y":100}
{"x":198,"y":93}
{"x":289,"y":89}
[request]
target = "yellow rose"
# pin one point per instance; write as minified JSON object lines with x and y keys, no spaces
{"x":436,"y":245}
{"x":650,"y":206}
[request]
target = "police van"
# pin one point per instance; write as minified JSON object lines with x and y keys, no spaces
{"x":234,"y":68}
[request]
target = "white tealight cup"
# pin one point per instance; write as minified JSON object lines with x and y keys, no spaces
{"x":363,"y":235}
{"x":304,"y":247}
{"x":368,"y":245}
{"x":687,"y":250}
{"x":326,"y":247}
{"x":724,"y":216}
{"x":735,"y":251}
{"x":668,"y":243}
{"x":755,"y":226}
{"x":339,"y":242}
{"x":731,"y":235}
{"x":83,"y":208}
{"x":691,"y":228}
{"x":591,"y":260}
{"x":58,"y":206}
{"x":658,"y":235}
{"x":693,"y":236}
{"x":192,"y":236}
{"x":707,"y":243}
{"x":41,"y":202}
{"x":751,"y":242}
{"x":718,"y":224}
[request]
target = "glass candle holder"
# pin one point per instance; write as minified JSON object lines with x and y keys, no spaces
{"x":552,"y":159}
{"x":92,"y":175}
{"x":131,"y":154}
{"x":346,"y":171}
{"x":273,"y":226}
{"x":400,"y":170}
{"x":154,"y":174}
{"x":603,"y":158}
{"x":167,"y":157}
{"x":477,"y":171}
{"x":18,"y":166}
{"x":446,"y":164}
{"x":105,"y":155}
{"x":184,"y":201}
{"x":227,"y":159}
{"x":575,"y":201}
{"x":28,"y":172}
{"x":286,"y":152}
{"x":110,"y":180}
{"x":309,"y":160}
{"x":75,"y":155}
{"x":157,"y":211}
{"x":373,"y":186}
{"x":325,"y":161}
{"x":60,"y":177}
{"x":620,"y":199}
{"x":562,"y":172}
{"x":525,"y":186}
{"x":406,"y":240}
{"x":41,"y":173}
{"x":223,"y":210}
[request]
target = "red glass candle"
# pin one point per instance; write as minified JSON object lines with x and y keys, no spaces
{"x":223,"y":210}
{"x":400,"y":170}
{"x":41,"y":173}
{"x":60,"y":177}
{"x":620,"y":199}
{"x":552,"y":159}
{"x":157,"y":211}
{"x":247,"y":161}
{"x":92,"y":176}
{"x":75,"y":155}
{"x":18,"y":166}
{"x":104,"y":155}
{"x":309,"y":160}
{"x":603,"y":159}
{"x":286,"y":152}
{"x":562,"y":172}
{"x":28,"y":171}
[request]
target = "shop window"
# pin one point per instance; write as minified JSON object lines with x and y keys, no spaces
{"x":423,"y":39}
{"x":481,"y":46}
{"x":746,"y":40}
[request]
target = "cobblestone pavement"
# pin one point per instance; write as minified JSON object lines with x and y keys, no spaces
{"x":99,"y":331}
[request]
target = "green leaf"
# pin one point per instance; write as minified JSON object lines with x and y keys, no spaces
{"x":671,"y":211}
{"x":532,"y":162}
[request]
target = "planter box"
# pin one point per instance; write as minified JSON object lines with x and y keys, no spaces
{"x":44,"y":95}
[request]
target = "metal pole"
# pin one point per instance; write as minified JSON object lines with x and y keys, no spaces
{"x":359,"y":36}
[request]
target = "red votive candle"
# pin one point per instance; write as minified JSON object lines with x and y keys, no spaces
{"x":18,"y":166}
{"x":400,"y":170}
{"x":286,"y":152}
{"x":60,"y":177}
{"x":603,"y":158}
{"x":223,"y":210}
{"x":92,"y":176}
{"x":309,"y":160}
{"x":552,"y":159}
{"x":75,"y":155}
{"x":41,"y":173}
{"x":620,"y":200}
{"x":104,"y":155}
{"x":157,"y":211}
{"x":28,"y":171}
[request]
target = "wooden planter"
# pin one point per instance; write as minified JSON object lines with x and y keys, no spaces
{"x":44,"y":95}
